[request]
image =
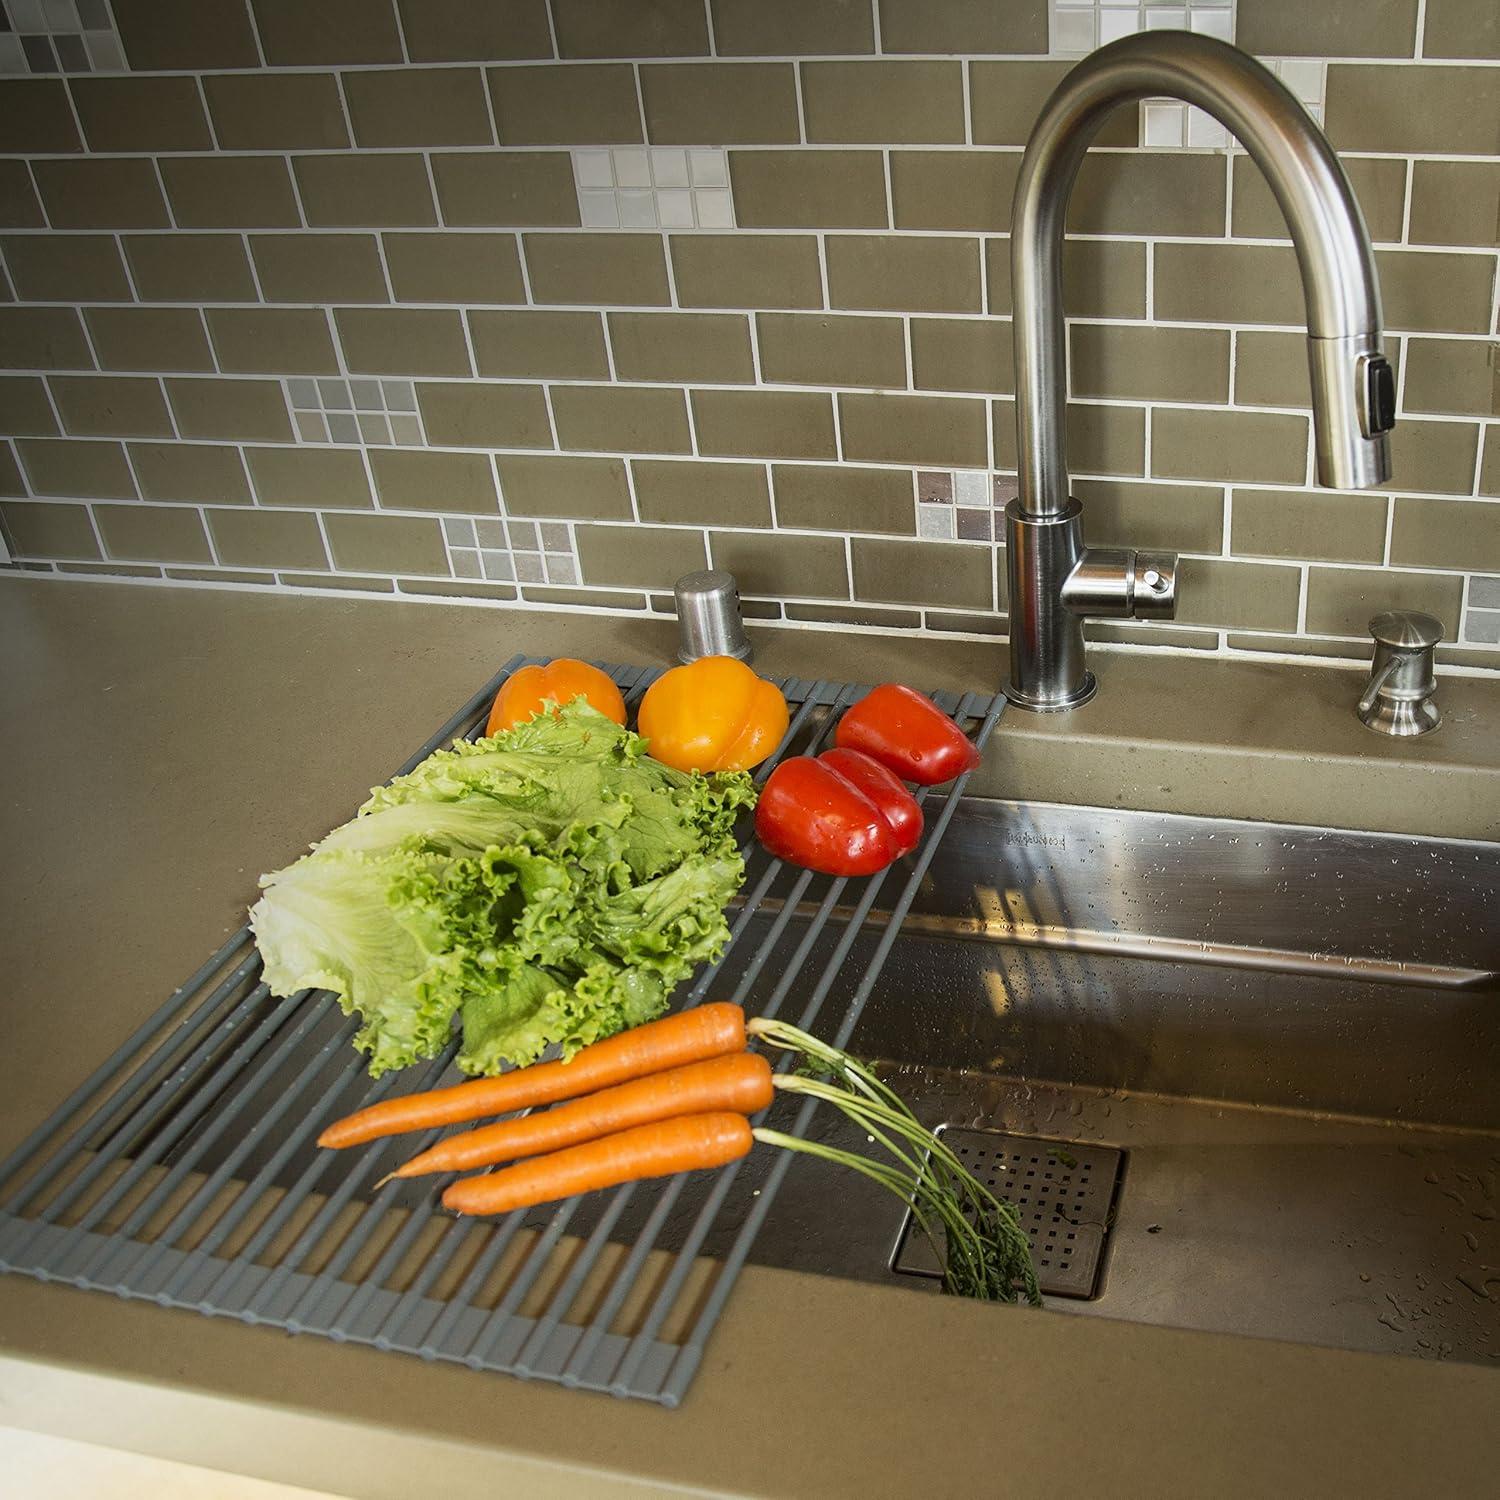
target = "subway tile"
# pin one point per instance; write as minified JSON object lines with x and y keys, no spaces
{"x":230,"y":192}
{"x":272,"y":340}
{"x":680,"y":492}
{"x":940,"y":430}
{"x":883,"y":103}
{"x":460,"y":31}
{"x":1342,"y":601}
{"x":403,"y":340}
{"x":886,"y":273}
{"x":337,"y":584}
{"x":1455,"y":202}
{"x":831,"y":349}
{"x":332,"y":31}
{"x":1150,"y":193}
{"x":388,"y":190}
{"x":764,"y":424}
{"x":855,"y":614}
{"x":319,"y":267}
{"x":1450,"y":111}
{"x":1379,"y":184}
{"x":466,"y":268}
{"x":1005,"y":99}
{"x":1149,"y":363}
{"x":1292,"y":28}
{"x":327,"y":478}
{"x":565,"y":106}
{"x":796,"y":566}
{"x":822,"y":497}
{"x":626,"y":419}
{"x":190,"y":473}
{"x":963,"y":26}
{"x":682,"y":346}
{"x":75,"y":469}
{"x":464,"y":588}
{"x":426,"y":479}
{"x":25,"y":410}
{"x":962,"y":354}
{"x":808,"y":189}
{"x":1165,"y":517}
{"x":648,"y":556}
{"x":531,"y":188}
{"x":953,"y":189}
{"x":1237,"y":595}
{"x":951,"y":574}
{"x":796,"y":28}
{"x":111,"y":406}
{"x":961,"y":623}
{"x":254,"y":410}
{"x":730,"y":104}
{"x":1452,"y":376}
{"x":1434,"y":291}
{"x":35,"y":117}
{"x":1489,"y":474}
{"x":153,"y":533}
{"x":95,"y":193}
{"x":1459,"y":534}
{"x":43,"y":338}
{"x":180,"y":34}
{"x":1260,"y":446}
{"x":1101,"y":278}
{"x":760,"y":271}
{"x":112,"y":570}
{"x":1100,"y":439}
{"x":20,"y":208}
{"x":387,"y":544}
{"x":121,"y":113}
{"x":1299,"y":646}
{"x":539,"y":345}
{"x":1434,"y":456}
{"x":1228,"y":283}
{"x":1270,"y":369}
{"x":221,"y":576}
{"x":564,"y":486}
{"x":467,"y":414}
{"x":50,"y":531}
{"x":165,"y":339}
{"x":11,"y":480}
{"x":66,"y":268}
{"x":1320,"y":524}
{"x":611,"y":599}
{"x":602,"y":28}
{"x":413,"y":106}
{"x":267,"y":539}
{"x":1461,"y":28}
{"x":190,"y":267}
{"x":618,"y":269}
{"x":276,"y":111}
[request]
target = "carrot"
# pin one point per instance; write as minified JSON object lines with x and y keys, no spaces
{"x":689,"y":1036}
{"x":685,"y":1144}
{"x":740,"y":1081}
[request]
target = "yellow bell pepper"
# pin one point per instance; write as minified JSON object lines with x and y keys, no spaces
{"x":714,"y":714}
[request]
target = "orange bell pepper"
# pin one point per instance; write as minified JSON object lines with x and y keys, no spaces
{"x":523,"y":693}
{"x":714,"y":714}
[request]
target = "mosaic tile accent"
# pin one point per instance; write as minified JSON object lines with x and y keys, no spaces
{"x":660,"y":187}
{"x":375,"y":413}
{"x":58,"y":36}
{"x":511,"y":551}
{"x":966,"y":505}
{"x":1078,"y":26}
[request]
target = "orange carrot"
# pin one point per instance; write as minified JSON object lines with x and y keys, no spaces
{"x":685,"y":1144}
{"x":740,"y":1081}
{"x":690,"y":1036}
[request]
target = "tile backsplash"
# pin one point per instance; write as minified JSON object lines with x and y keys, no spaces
{"x":549,"y":303}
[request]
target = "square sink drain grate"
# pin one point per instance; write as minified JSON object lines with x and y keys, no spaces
{"x":1064,"y":1193}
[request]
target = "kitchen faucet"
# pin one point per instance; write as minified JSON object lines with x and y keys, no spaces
{"x":1056,"y":582}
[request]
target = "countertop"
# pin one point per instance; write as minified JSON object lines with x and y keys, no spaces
{"x":161,"y":747}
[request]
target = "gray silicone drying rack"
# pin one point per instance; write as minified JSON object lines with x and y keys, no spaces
{"x":183,"y":1169}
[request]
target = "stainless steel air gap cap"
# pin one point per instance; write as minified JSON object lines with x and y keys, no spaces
{"x":708,"y":617}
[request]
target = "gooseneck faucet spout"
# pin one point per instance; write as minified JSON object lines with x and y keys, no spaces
{"x":1055,"y":581}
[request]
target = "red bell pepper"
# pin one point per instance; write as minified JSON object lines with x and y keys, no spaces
{"x":908,"y":734}
{"x":841,"y":814}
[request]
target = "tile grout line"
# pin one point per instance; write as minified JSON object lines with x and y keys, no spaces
{"x":708,"y":21}
{"x":551,"y":29}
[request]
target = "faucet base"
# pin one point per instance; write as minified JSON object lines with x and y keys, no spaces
{"x":1050,"y":705}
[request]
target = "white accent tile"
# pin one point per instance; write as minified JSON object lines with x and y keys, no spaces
{"x":1161,"y":123}
{"x":561,"y":569}
{"x":311,"y":427}
{"x":598,"y":210}
{"x":669,"y":166}
{"x":12,"y":57}
{"x":1204,"y":130}
{"x":490,"y":531}
{"x":459,"y":530}
{"x":1166,"y":18}
{"x":105,"y":52}
{"x":1113,"y":24}
{"x":1215,"y":23}
{"x":591,"y":169}
{"x":529,"y":567}
{"x":498,"y":567}
{"x":342,"y":428}
{"x":1073,"y":32}
{"x":971,"y":487}
{"x":26,"y":15}
{"x":637,"y":209}
{"x":632,"y":167}
{"x":406,"y":431}
{"x":1304,"y":77}
{"x":935,"y":523}
{"x":715,"y":208}
{"x":374,"y":429}
{"x":465,"y":564}
{"x":710,"y":168}
{"x":674,"y":208}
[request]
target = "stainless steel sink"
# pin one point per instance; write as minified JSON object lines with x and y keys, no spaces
{"x":1293,"y":1035}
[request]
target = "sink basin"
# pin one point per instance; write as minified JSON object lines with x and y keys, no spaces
{"x":1292,"y":1035}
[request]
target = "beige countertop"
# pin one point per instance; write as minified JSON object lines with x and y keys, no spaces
{"x":162,"y":747}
